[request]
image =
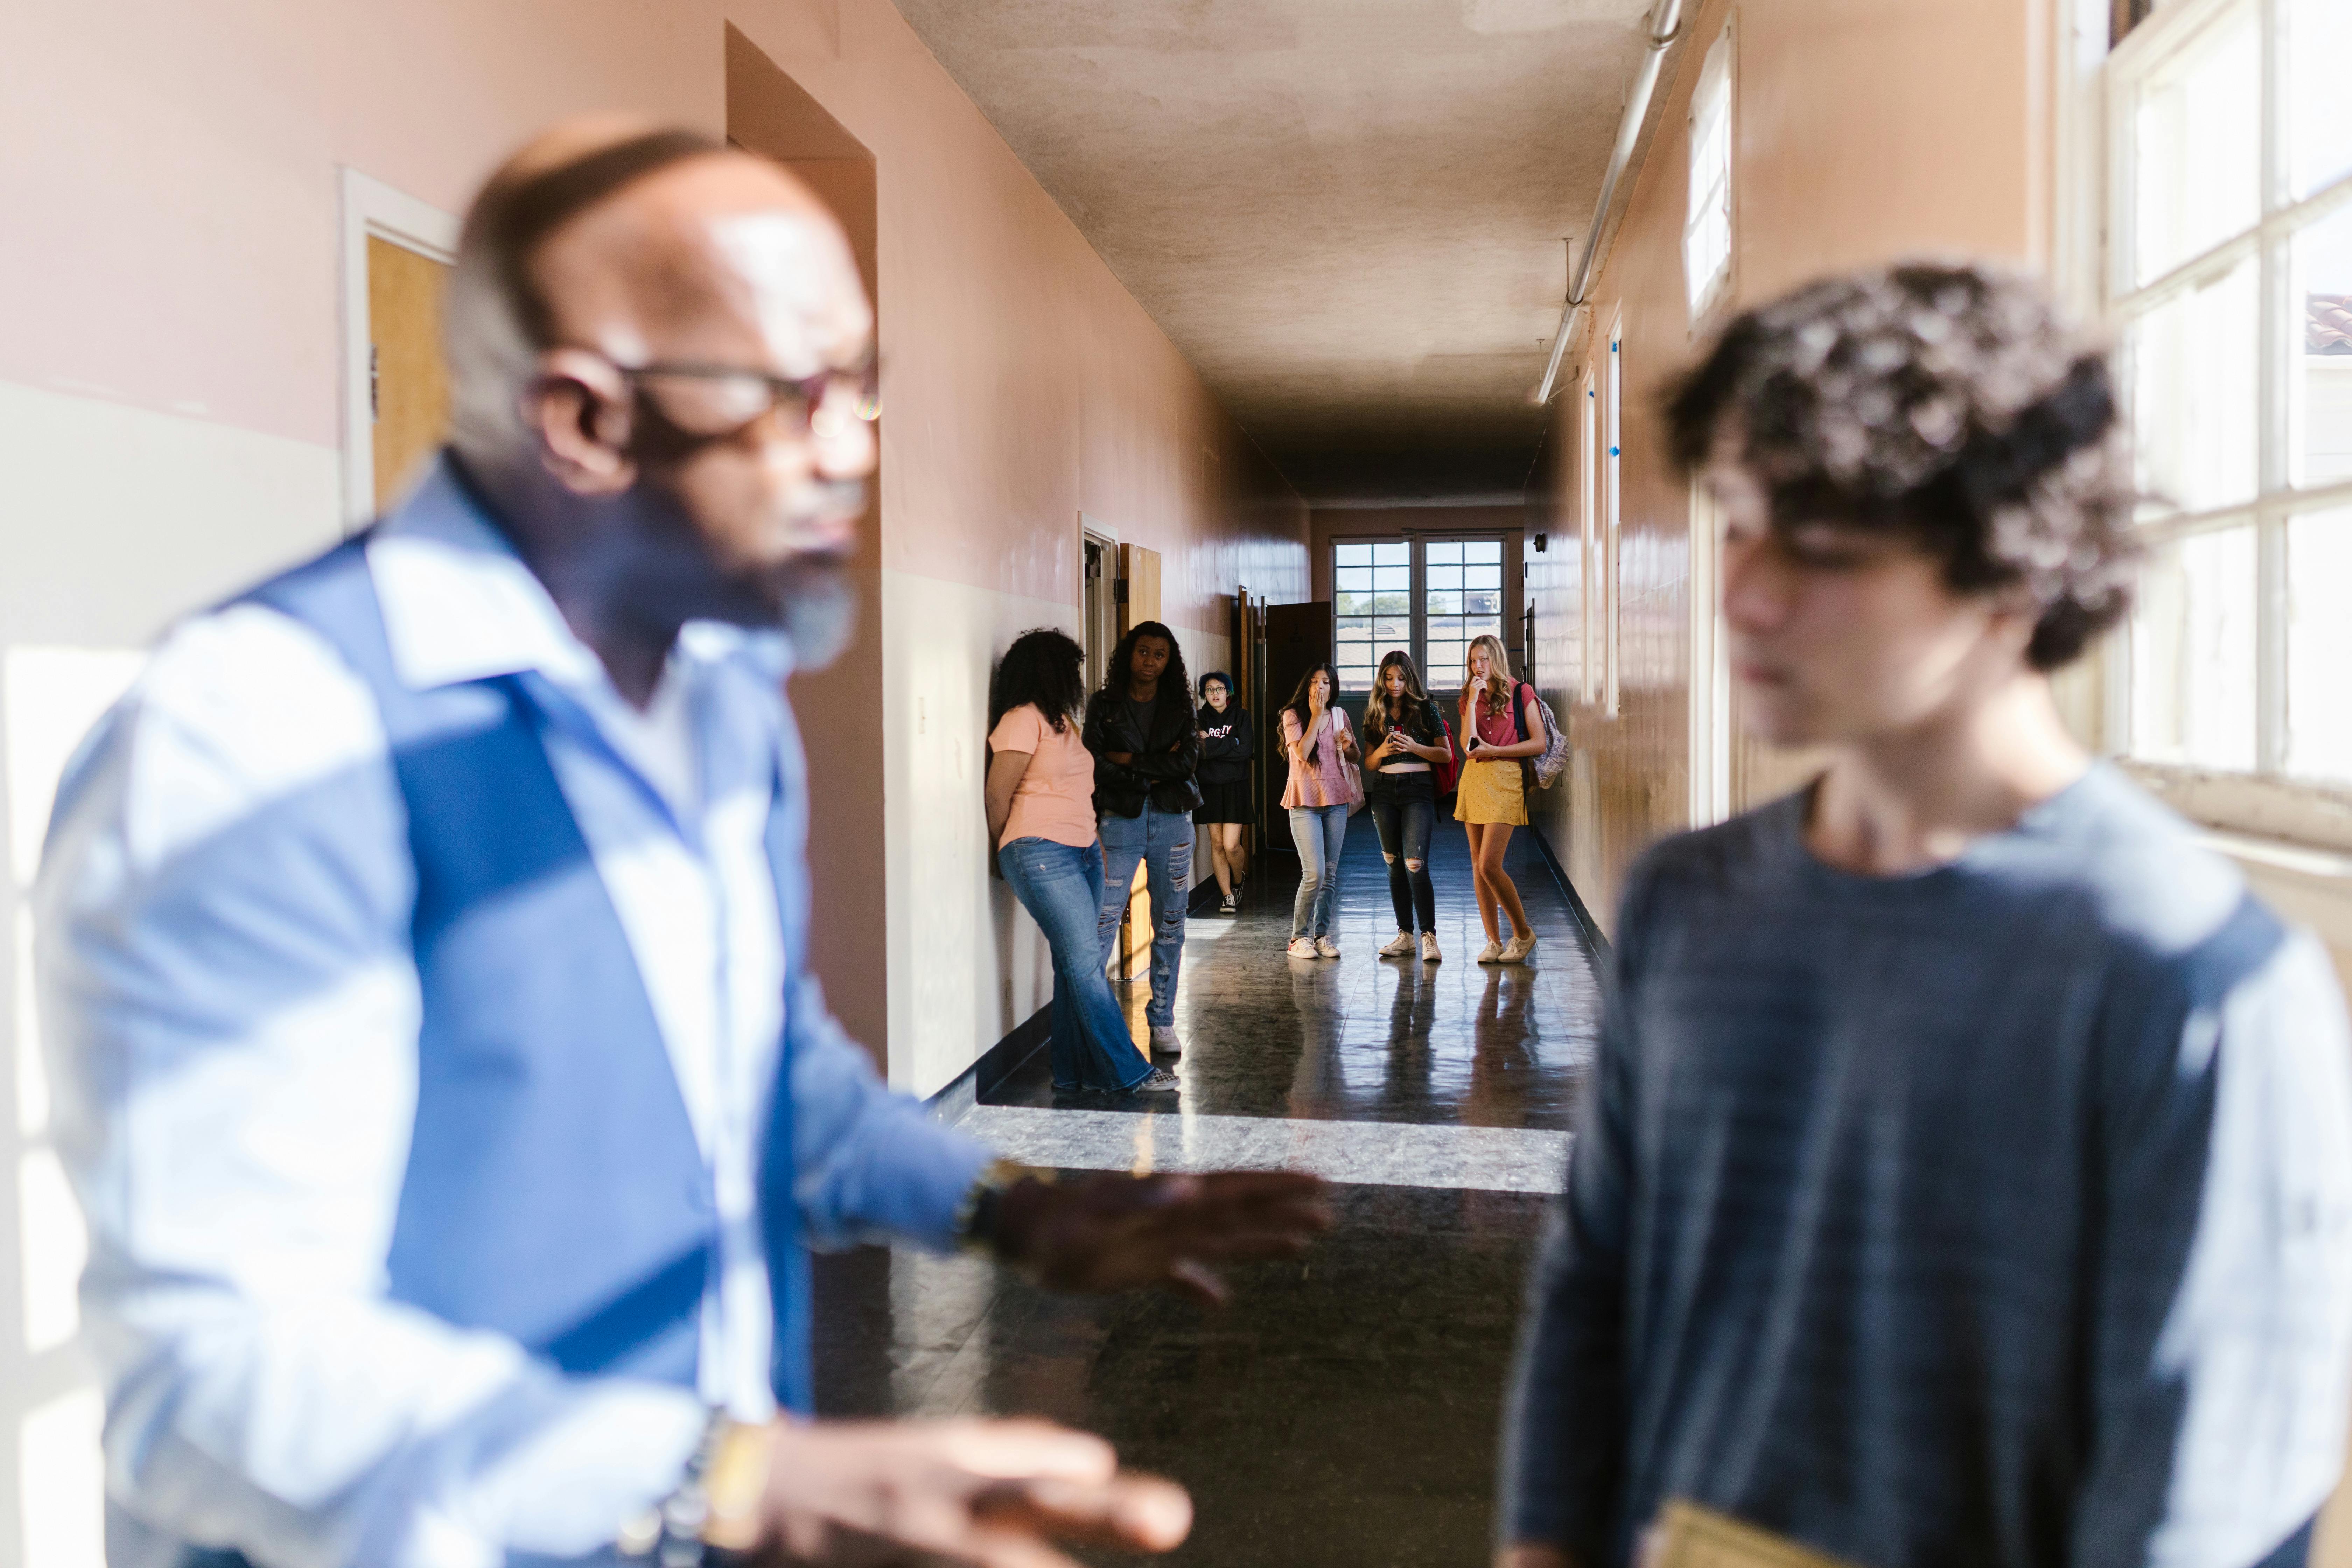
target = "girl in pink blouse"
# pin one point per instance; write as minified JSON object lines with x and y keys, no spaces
{"x":1320,"y":742}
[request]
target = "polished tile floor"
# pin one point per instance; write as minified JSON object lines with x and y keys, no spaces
{"x":1344,"y":1410}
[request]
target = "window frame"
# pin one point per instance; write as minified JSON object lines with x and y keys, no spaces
{"x":1612,"y":506}
{"x":1417,"y":592}
{"x":1588,"y":587}
{"x":1716,"y":75}
{"x":2267,"y":798}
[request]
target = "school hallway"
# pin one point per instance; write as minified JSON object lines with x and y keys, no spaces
{"x":1344,"y":1409}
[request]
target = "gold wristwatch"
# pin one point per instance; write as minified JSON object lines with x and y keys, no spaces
{"x":715,"y":1508}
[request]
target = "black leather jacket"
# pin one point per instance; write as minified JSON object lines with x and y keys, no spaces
{"x":1165,"y":760}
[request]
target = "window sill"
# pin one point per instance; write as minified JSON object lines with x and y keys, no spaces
{"x":2295,"y":817}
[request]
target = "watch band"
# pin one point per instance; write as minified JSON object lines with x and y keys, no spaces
{"x":714,"y":1508}
{"x":975,"y":1216}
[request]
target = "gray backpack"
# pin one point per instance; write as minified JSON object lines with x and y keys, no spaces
{"x":1546,"y":767}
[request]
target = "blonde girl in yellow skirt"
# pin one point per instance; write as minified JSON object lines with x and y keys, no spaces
{"x":1492,"y":799}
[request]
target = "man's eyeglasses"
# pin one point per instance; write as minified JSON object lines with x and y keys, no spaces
{"x":715,"y":400}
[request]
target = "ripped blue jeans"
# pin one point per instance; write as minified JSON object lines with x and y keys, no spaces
{"x":1163,"y":842}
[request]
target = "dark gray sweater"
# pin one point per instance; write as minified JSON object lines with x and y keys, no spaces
{"x":1997,"y":1215}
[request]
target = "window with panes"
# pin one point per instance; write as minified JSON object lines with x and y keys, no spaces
{"x":1430,"y":596}
{"x":1371,"y":606}
{"x":1706,"y":224}
{"x":2230,"y":272}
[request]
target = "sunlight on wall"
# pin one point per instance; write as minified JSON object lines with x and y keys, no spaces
{"x":63,"y":1485}
{"x":52,"y":696}
{"x":56,"y":1246}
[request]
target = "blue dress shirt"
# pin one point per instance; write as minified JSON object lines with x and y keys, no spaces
{"x":239,"y":1074}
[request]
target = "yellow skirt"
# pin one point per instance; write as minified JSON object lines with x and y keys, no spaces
{"x":1491,"y":791}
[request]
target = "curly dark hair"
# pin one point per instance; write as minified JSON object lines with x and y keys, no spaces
{"x":1949,"y":403}
{"x":1044,"y":666}
{"x":1173,"y":678}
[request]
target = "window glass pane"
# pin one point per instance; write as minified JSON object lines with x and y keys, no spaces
{"x":2196,"y":146}
{"x":1353,"y":579}
{"x":1443,"y":554}
{"x":1444,"y":577}
{"x":1489,"y":551}
{"x":2193,"y":391}
{"x":1483,"y":577}
{"x":2319,"y":433}
{"x":2193,"y":652}
{"x":1393,"y":579}
{"x":1707,"y":223}
{"x":1397,"y":555}
{"x":2319,"y":645}
{"x":2319,"y":101}
{"x":1351,"y":554}
{"x":1345,"y":604}
{"x":1444,"y":603}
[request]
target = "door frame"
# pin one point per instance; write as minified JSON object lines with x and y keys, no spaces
{"x":372,"y":209}
{"x":1093,"y":530}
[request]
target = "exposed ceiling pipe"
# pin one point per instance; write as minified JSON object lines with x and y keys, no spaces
{"x":1666,"y":25}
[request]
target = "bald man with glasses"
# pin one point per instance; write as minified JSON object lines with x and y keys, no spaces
{"x":422,"y":960}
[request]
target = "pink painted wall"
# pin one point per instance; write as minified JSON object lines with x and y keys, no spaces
{"x":179,"y":167}
{"x":1863,"y":129}
{"x":172,"y":180}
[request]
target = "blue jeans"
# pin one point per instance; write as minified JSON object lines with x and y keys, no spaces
{"x":1319,"y":831}
{"x":1162,"y":841}
{"x":1061,"y":887}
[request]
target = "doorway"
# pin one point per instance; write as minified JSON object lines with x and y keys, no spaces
{"x":772,"y":116}
{"x":408,"y":383}
{"x":397,"y":253}
{"x":1099,"y":613}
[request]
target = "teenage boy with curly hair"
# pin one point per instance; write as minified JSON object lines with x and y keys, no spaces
{"x":1967,"y":1173}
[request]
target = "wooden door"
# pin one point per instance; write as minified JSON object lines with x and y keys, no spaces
{"x":1138,"y":577}
{"x":1139,"y":601}
{"x":1297,"y":637}
{"x":408,"y":384}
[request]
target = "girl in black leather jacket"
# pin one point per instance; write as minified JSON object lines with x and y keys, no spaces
{"x":1139,"y":728}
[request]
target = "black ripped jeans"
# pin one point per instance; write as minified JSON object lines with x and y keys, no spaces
{"x":1404,"y":809}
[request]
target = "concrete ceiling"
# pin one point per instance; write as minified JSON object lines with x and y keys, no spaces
{"x":1347,"y":213}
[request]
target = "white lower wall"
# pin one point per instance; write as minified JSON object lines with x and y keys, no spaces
{"x":965,"y":963}
{"x":115,"y":521}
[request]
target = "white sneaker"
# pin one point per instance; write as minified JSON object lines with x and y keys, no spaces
{"x":1490,"y":952}
{"x":1516,"y":952}
{"x":1325,"y":946}
{"x":1429,"y":953}
{"x":1398,"y":946}
{"x":1301,"y":947}
{"x":1164,"y":1042}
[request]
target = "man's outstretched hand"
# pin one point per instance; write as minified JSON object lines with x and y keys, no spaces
{"x":1115,"y":1232}
{"x":986,"y":1494}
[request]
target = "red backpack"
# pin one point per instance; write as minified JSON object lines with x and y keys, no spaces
{"x":1449,"y":772}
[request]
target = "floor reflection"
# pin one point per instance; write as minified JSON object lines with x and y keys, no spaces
{"x":1344,"y":1410}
